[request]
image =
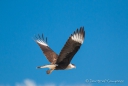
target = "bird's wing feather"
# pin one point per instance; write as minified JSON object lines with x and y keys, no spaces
{"x":71,"y":47}
{"x":48,"y":52}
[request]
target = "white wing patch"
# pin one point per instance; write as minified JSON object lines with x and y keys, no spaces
{"x":41,"y":42}
{"x":78,"y":37}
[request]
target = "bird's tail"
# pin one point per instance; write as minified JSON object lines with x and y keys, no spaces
{"x":51,"y":66}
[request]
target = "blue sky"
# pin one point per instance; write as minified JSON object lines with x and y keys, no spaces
{"x":103,"y":55}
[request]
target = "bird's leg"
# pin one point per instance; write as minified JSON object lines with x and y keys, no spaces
{"x":49,"y":71}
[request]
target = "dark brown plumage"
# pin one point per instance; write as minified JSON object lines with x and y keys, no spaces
{"x":68,"y":51}
{"x":48,"y":52}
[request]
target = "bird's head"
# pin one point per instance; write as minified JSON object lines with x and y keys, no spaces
{"x":73,"y":66}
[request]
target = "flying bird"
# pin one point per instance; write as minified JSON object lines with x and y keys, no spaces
{"x":61,"y":61}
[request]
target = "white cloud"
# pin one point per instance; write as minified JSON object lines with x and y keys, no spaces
{"x":28,"y":82}
{"x":75,"y":85}
{"x":4,"y":85}
{"x":49,"y":85}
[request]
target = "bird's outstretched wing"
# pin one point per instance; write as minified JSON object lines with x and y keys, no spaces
{"x":48,"y":52}
{"x":71,"y":47}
